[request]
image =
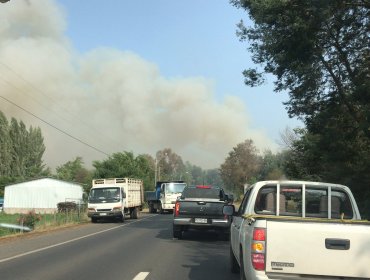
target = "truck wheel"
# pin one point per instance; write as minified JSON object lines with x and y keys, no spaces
{"x":177,"y":232}
{"x":242,"y":273}
{"x":135,"y":213}
{"x":234,"y":266}
{"x":151,"y":208}
{"x":122,"y":218}
{"x":94,"y":220}
{"x":161,"y":209}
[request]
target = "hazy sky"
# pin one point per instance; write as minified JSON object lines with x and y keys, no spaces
{"x":138,"y":75}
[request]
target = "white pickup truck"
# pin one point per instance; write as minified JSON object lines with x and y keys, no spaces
{"x":316,"y":232}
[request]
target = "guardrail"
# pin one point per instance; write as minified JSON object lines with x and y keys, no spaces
{"x":18,"y":227}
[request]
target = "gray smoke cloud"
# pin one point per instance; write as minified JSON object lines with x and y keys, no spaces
{"x":110,"y":99}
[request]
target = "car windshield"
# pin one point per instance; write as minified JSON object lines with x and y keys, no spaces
{"x":104,"y":195}
{"x":175,"y":188}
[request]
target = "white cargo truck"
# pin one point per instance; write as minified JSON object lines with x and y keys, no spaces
{"x":114,"y":198}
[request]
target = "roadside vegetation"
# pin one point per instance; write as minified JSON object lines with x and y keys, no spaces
{"x":39,"y":222}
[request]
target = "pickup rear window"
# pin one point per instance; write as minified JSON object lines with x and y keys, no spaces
{"x":314,"y":202}
{"x":193,"y":192}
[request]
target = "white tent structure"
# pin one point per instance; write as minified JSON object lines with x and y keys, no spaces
{"x":41,"y":195}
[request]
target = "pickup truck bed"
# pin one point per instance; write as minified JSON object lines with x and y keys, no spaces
{"x":332,"y":243}
{"x":316,"y":232}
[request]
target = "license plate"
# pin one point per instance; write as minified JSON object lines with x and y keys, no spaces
{"x":103,"y":214}
{"x":200,"y":221}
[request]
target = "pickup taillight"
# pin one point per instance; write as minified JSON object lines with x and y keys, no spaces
{"x":177,"y":208}
{"x":258,"y":250}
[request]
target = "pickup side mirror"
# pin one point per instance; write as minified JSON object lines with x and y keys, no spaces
{"x":228,"y":210}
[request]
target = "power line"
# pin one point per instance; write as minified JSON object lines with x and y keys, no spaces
{"x":33,"y":87}
{"x":53,"y":126}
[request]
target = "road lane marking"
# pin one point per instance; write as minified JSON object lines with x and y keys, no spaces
{"x":69,"y":241}
{"x":141,"y":276}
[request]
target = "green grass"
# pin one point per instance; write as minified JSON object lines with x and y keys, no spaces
{"x":8,"y":219}
{"x":47,"y":221}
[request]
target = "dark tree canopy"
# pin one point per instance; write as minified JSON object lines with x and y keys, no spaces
{"x":21,"y":150}
{"x":318,"y":51}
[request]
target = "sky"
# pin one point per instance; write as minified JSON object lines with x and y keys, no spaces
{"x":100,"y":77}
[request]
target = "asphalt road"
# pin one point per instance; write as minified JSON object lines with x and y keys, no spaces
{"x":137,"y":249}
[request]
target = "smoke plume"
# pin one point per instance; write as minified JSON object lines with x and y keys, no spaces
{"x":108,"y":100}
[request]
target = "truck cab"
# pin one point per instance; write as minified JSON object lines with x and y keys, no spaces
{"x":169,"y":192}
{"x":165,"y":195}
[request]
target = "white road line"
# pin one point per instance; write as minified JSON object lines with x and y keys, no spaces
{"x":141,"y":276}
{"x":69,"y":241}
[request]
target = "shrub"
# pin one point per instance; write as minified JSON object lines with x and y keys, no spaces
{"x":66,"y":207}
{"x":29,"y":219}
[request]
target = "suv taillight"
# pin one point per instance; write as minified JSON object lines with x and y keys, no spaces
{"x":177,"y":208}
{"x":258,"y":249}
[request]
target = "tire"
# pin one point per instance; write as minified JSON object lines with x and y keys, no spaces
{"x":135,"y":213}
{"x":122,"y":218}
{"x":234,"y":266}
{"x":94,"y":220}
{"x":242,"y":273}
{"x":161,"y":209}
{"x":177,"y":232}
{"x":151,"y":208}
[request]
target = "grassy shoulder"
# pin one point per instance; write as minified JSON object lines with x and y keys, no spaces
{"x":41,"y":222}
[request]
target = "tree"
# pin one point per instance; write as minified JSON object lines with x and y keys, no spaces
{"x":318,"y":50}
{"x":170,"y":165}
{"x":241,"y":166}
{"x":74,"y":171}
{"x":272,"y":166}
{"x":35,"y":149}
{"x":213,"y":177}
{"x":27,"y":149}
{"x":125,"y":164}
{"x":17,"y":134}
{"x":319,"y":53}
{"x":5,"y":147}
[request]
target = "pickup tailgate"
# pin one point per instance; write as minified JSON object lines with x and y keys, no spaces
{"x":210,"y":208}
{"x":318,"y":248}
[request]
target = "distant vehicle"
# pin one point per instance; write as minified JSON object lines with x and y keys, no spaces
{"x":165,"y":195}
{"x":1,"y":204}
{"x":299,"y":230}
{"x":200,"y":207}
{"x":114,"y":198}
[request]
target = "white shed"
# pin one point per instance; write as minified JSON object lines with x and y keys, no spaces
{"x":41,"y":195}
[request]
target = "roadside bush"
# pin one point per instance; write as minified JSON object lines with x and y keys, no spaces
{"x":29,"y":219}
{"x":66,"y":207}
